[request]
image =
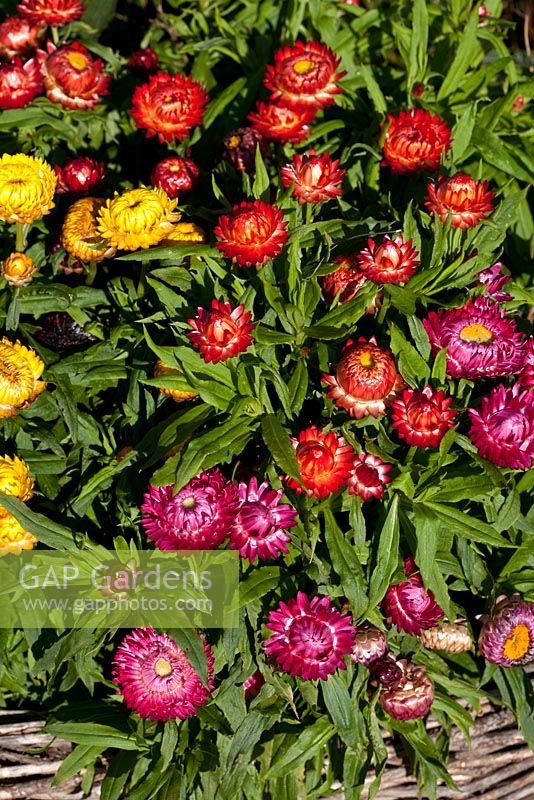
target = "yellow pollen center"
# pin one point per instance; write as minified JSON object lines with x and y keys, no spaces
{"x":301,"y":67}
{"x":163,"y":667}
{"x":189,"y":502}
{"x":517,"y":643}
{"x":366,"y":360}
{"x":77,"y":61}
{"x":235,"y":141}
{"x":476,"y":333}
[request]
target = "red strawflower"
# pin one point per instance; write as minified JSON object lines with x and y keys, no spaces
{"x":310,"y":637}
{"x":144,"y":61}
{"x":169,"y":106}
{"x":369,"y":476}
{"x":346,"y":281}
{"x":415,"y":140}
{"x":315,"y":178}
{"x":503,"y":428}
{"x":80,"y":175}
{"x":410,"y":696}
{"x":18,"y":36}
{"x":51,"y":12}
{"x":240,"y":148}
{"x":221,"y":332}
{"x":409,"y":605}
{"x":175,"y":175}
{"x":324,"y":460}
{"x":281,"y":123}
{"x":422,"y":417}
{"x":393,"y":261}
{"x":467,"y":200}
{"x":366,"y":377}
{"x":157,"y":679}
{"x":526,"y":376}
{"x":259,"y":528}
{"x":20,"y":83}
{"x":72,"y":77}
{"x":304,"y":75}
{"x":252,"y":685}
{"x":252,"y":234}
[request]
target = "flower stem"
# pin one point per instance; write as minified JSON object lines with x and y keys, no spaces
{"x":55,"y":34}
{"x":21,"y":236}
{"x":309,"y":213}
{"x":91,"y":273}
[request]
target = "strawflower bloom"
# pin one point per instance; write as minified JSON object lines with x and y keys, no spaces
{"x":526,"y":376}
{"x":366,"y":378}
{"x":345,"y":281}
{"x":502,"y":429}
{"x":315,"y":178}
{"x":79,"y":234}
{"x":310,"y":637}
{"x":20,"y":371}
{"x":409,"y":605}
{"x":162,"y":370}
{"x":422,"y":417}
{"x":198,"y":517}
{"x":409,"y":697}
{"x":259,"y":529}
{"x":252,"y":234}
{"x":18,"y":36}
{"x":27,"y":187}
{"x":304,"y":75}
{"x":279,"y":123}
{"x":239,"y":148}
{"x":15,"y":480}
{"x":467,"y":200}
{"x":156,"y":678}
{"x":175,"y":175}
{"x":392,"y":261}
{"x":252,"y":685}
{"x":20,"y":83}
{"x":13,"y":538}
{"x":451,"y":637}
{"x":137,"y":218}
{"x":481,"y":341}
{"x":370,"y":645}
{"x":415,"y":140}
{"x":184,"y":233}
{"x":80,"y":175}
{"x":18,"y":269}
{"x":221,"y":332}
{"x":493,"y":280}
{"x":51,"y":12}
{"x":169,"y":106}
{"x":324,"y":461}
{"x":72,"y":77}
{"x":144,"y":61}
{"x":60,"y":332}
{"x":369,"y":476}
{"x":507,"y":635}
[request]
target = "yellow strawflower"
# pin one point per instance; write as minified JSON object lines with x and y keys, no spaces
{"x":15,"y":479}
{"x":79,"y":234}
{"x":13,"y":537}
{"x":18,"y":269}
{"x":180,"y":395}
{"x":20,"y":370}
{"x":184,"y":232}
{"x":27,"y":187}
{"x":137,"y":218}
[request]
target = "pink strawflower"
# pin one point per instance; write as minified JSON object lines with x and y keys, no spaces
{"x":157,"y":679}
{"x":391,"y":261}
{"x":503,"y":428}
{"x":411,"y":695}
{"x":507,"y":635}
{"x":261,"y":521}
{"x":369,"y":476}
{"x":422,"y":417}
{"x":252,"y":685}
{"x":221,"y":332}
{"x":315,"y":178}
{"x":198,"y":517}
{"x":481,"y":341}
{"x":493,"y":280}
{"x":526,"y":376}
{"x":408,"y":605}
{"x":310,"y":637}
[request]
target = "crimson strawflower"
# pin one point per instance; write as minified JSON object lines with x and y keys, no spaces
{"x":72,"y":77}
{"x":481,"y":341}
{"x":410,"y":696}
{"x":366,"y":378}
{"x":507,"y":635}
{"x":310,"y":637}
{"x":526,"y":376}
{"x":324,"y":461}
{"x":259,"y":528}
{"x":422,"y":417}
{"x":252,"y":234}
{"x":503,"y":428}
{"x":175,"y":175}
{"x":169,"y":106}
{"x":493,"y":280}
{"x":198,"y":517}
{"x":51,"y":12}
{"x":304,"y":75}
{"x":252,"y":685}
{"x":239,"y":148}
{"x":315,"y":178}
{"x":144,"y":61}
{"x":221,"y":332}
{"x":18,"y":35}
{"x":280,"y":123}
{"x":156,"y":678}
{"x":369,"y":476}
{"x":409,"y":605}
{"x":80,"y":176}
{"x":392,"y":261}
{"x":20,"y":83}
{"x":467,"y":200}
{"x":415,"y":140}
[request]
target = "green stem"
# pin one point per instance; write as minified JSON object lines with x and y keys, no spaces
{"x":141,"y":284}
{"x":309,"y":213}
{"x":21,"y":236}
{"x":91,"y":273}
{"x":55,"y":34}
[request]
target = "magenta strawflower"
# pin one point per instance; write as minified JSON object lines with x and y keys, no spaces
{"x":507,"y":635}
{"x":481,"y":341}
{"x":526,"y":376}
{"x":157,"y":679}
{"x":503,"y":428}
{"x":493,"y":280}
{"x":198,"y":517}
{"x":310,"y":638}
{"x":369,"y":476}
{"x":252,"y":686}
{"x":259,"y":529}
{"x":409,"y":605}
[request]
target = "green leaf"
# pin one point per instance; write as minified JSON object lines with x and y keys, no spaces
{"x":412,"y":366}
{"x":50,"y":533}
{"x":496,"y":152}
{"x":309,"y":740}
{"x":464,"y":58}
{"x":342,"y":709}
{"x":419,"y":43}
{"x":257,"y":584}
{"x":94,"y":734}
{"x":346,"y":563}
{"x":298,"y":386}
{"x":462,"y":132}
{"x":386,"y":557}
{"x":375,"y":92}
{"x":80,"y":757}
{"x":465,"y":525}
{"x":193,"y":646}
{"x":261,"y":185}
{"x":117,"y":774}
{"x":277,"y":440}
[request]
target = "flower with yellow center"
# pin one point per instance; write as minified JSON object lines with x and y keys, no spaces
{"x":18,"y":269}
{"x":137,"y":218}
{"x":184,"y":233}
{"x":20,"y":370}
{"x":79,"y":234}
{"x":162,"y":370}
{"x":27,"y":187}
{"x":13,"y":538}
{"x":15,"y":479}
